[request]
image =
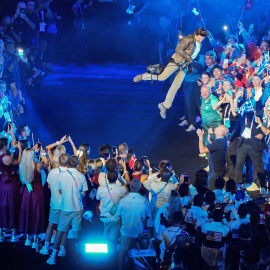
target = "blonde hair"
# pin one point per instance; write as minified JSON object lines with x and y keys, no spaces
{"x":27,"y":166}
{"x":59,"y":150}
{"x":99,"y":165}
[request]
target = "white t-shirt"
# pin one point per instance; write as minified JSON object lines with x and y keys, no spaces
{"x":134,"y":210}
{"x":196,"y":216}
{"x":71,"y":193}
{"x":106,"y":202}
{"x":169,"y":235}
{"x":52,"y":180}
{"x":101,"y":180}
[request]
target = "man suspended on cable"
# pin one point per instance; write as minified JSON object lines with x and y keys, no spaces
{"x":183,"y":59}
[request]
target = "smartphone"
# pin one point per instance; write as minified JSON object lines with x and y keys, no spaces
{"x":67,"y":136}
{"x":168,"y":165}
{"x":144,"y":158}
{"x":119,"y":158}
{"x":186,"y":178}
{"x":114,"y":149}
{"x":114,"y":155}
{"x":243,"y":55}
{"x":20,"y":53}
{"x":226,"y":61}
{"x":106,"y":156}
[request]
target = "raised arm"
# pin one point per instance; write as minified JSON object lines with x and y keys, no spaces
{"x":202,"y":148}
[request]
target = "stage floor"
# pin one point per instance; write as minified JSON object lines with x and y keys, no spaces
{"x":100,"y":104}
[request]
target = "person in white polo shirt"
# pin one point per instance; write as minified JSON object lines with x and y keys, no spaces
{"x":134,"y":211}
{"x":55,"y":206}
{"x":109,"y":196}
{"x":72,"y":186}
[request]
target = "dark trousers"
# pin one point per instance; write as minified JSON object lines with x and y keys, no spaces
{"x":256,"y":157}
{"x":193,"y":100}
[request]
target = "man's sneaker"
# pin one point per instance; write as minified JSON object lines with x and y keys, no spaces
{"x":198,"y":119}
{"x":138,"y":78}
{"x":162,"y":110}
{"x":203,"y":155}
{"x":34,"y":245}
{"x":206,"y":168}
{"x":44,"y":251}
{"x":51,"y":260}
{"x":62,"y":252}
{"x":2,"y":238}
{"x":14,"y":239}
{"x":191,"y":128}
{"x":28,"y":243}
{"x":183,"y":123}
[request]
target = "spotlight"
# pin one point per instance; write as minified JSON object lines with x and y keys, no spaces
{"x":225,"y":27}
{"x":96,"y":248}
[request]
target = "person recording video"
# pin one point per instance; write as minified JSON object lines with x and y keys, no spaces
{"x":185,"y":53}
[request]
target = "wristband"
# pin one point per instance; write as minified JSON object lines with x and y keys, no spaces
{"x":43,"y":154}
{"x":259,"y":125}
{"x":150,"y":169}
{"x":125,"y":171}
{"x":57,"y":142}
{"x":200,"y":139}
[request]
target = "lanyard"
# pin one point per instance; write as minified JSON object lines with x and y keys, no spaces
{"x":89,"y":178}
{"x":59,"y":170}
{"x":108,"y":187}
{"x":76,"y":183}
{"x":226,"y":109}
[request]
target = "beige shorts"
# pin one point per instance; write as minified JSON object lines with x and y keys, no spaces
{"x":54,"y":215}
{"x":70,"y":218}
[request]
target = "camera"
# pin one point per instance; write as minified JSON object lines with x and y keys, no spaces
{"x":114,"y":155}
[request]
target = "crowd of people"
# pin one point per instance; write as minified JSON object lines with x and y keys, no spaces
{"x":155,"y":219}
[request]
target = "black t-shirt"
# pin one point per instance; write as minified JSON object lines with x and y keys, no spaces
{"x":244,"y":250}
{"x":226,"y":113}
{"x":217,"y":151}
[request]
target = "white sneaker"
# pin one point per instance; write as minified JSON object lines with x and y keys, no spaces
{"x":2,"y":238}
{"x":51,"y":261}
{"x":62,"y":252}
{"x":34,"y":245}
{"x":182,"y":118}
{"x":14,"y":239}
{"x":162,"y":110}
{"x":202,"y":155}
{"x":190,"y":128}
{"x":183,"y":123}
{"x":28,"y":243}
{"x":44,"y":250}
{"x":206,"y":168}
